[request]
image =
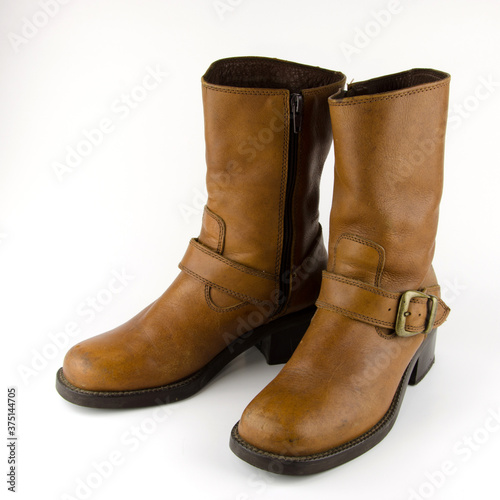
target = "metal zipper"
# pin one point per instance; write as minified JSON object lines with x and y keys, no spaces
{"x":296,"y":104}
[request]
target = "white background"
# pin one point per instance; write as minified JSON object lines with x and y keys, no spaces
{"x":133,"y":203}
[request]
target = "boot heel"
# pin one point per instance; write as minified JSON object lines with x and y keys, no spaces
{"x":425,"y":360}
{"x":287,"y":332}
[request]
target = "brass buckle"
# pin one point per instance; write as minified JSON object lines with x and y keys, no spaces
{"x":404,"y":305}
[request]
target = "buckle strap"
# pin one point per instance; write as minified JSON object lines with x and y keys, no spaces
{"x":407,"y":313}
{"x":211,"y":268}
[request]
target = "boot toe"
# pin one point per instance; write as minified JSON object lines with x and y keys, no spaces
{"x":118,"y":360}
{"x":83,"y":369}
{"x":296,"y":418}
{"x":265,"y":426}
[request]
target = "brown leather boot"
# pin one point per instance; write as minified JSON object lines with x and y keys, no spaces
{"x":379,"y":307}
{"x":254,"y":273}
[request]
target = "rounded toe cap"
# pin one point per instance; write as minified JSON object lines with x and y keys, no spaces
{"x":82,"y":369}
{"x":276,"y":425}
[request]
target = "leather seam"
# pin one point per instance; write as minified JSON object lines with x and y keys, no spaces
{"x":109,"y":394}
{"x":389,"y":295}
{"x":375,"y":290}
{"x":242,"y":91}
{"x":387,"y":98}
{"x":235,"y":265}
{"x":367,"y":287}
{"x":371,"y":244}
{"x":284,"y":178}
{"x":298,"y":178}
{"x":221,"y":228}
{"x":375,"y":321}
{"x":215,"y":307}
{"x":241,"y":296}
{"x":378,"y":291}
{"x":382,"y":334}
{"x":350,"y":314}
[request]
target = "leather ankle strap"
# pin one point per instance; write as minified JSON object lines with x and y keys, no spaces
{"x":211,"y":268}
{"x":407,"y":313}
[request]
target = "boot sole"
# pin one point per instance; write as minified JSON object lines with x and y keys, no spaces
{"x":418,"y":367}
{"x":276,"y":340}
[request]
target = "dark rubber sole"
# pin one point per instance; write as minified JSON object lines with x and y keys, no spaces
{"x":276,"y":340}
{"x":312,"y":464}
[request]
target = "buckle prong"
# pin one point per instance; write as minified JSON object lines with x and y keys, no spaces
{"x":403,"y":313}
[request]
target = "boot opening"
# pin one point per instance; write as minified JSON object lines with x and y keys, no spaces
{"x":263,"y":72}
{"x":398,"y":81}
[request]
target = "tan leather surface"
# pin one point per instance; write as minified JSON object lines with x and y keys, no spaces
{"x":389,"y":146}
{"x":334,"y":388}
{"x":375,"y":306}
{"x":389,"y":151}
{"x":170,"y":339}
{"x":211,"y":268}
{"x":229,"y":284}
{"x":358,"y":258}
{"x":245,"y":184}
{"x":213,"y":231}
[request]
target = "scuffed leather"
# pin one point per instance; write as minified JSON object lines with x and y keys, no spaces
{"x":389,"y":147}
{"x":245,"y":100}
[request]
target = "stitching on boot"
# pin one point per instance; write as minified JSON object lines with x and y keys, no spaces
{"x":284,"y":176}
{"x":387,"y":98}
{"x":222,"y":228}
{"x":243,"y":91}
{"x":235,"y":265}
{"x":241,"y":296}
{"x":380,"y":250}
{"x":215,"y":307}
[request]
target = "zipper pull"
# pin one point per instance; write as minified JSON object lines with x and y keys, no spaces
{"x":296,"y":102}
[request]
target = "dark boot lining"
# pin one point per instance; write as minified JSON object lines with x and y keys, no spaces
{"x":397,"y":81}
{"x":263,"y":72}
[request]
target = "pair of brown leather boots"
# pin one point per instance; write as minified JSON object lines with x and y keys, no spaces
{"x":259,"y":274}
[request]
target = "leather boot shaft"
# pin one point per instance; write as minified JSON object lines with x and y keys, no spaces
{"x":389,"y":151}
{"x":374,"y":331}
{"x":268,"y":134}
{"x":255,"y":269}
